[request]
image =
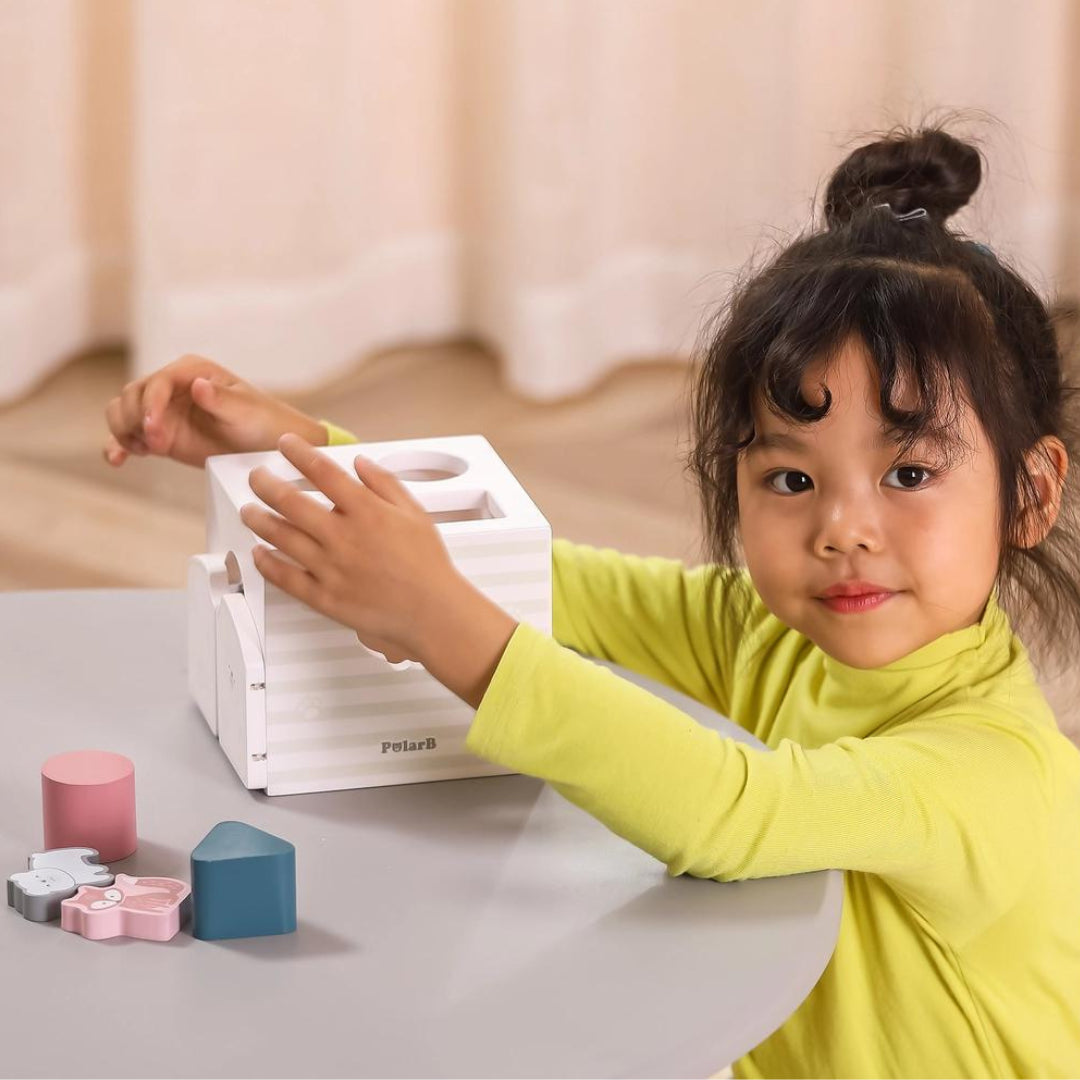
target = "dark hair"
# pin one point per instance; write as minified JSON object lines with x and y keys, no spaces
{"x":928,"y":303}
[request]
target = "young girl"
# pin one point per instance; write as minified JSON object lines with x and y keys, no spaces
{"x":881,"y":437}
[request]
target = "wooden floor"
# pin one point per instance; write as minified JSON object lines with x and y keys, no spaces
{"x":604,"y":468}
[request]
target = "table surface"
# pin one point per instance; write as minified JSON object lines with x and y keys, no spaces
{"x":481,"y":927}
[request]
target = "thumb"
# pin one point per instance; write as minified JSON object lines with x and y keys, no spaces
{"x":214,"y":398}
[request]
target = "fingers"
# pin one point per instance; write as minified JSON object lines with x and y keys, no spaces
{"x":225,"y":401}
{"x":282,"y":534}
{"x":159,"y":413}
{"x":140,"y":418}
{"x":294,"y":580}
{"x":305,"y":525}
{"x":124,"y":417}
{"x":120,"y":439}
{"x":385,"y":484}
{"x":206,"y":393}
{"x":113,"y":452}
{"x":131,"y":409}
{"x":156,"y":395}
{"x":153,"y":410}
{"x":299,"y":510}
{"x":332,"y":480}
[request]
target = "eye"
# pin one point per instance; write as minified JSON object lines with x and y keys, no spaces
{"x":799,"y":483}
{"x":908,"y":482}
{"x":113,"y":894}
{"x":910,"y":478}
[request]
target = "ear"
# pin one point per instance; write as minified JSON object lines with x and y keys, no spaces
{"x":1047,"y":464}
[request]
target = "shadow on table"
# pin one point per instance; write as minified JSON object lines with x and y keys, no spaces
{"x":493,"y":806}
{"x":152,"y":859}
{"x":309,"y":940}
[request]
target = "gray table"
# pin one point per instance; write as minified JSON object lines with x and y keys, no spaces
{"x":481,"y":927}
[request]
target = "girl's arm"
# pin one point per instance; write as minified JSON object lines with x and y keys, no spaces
{"x":940,"y":806}
{"x":653,"y":615}
{"x":649,"y":614}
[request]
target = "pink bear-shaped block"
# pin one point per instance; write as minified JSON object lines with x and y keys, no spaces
{"x":148,"y":907}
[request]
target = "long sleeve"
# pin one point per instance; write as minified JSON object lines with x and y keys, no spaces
{"x":648,"y":613}
{"x":936,"y":805}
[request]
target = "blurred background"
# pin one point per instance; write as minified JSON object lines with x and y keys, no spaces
{"x":433,"y":217}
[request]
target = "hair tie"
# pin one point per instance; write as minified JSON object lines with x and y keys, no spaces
{"x":911,"y":215}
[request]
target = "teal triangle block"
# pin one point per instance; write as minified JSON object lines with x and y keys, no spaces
{"x":237,"y":840}
{"x":243,"y":883}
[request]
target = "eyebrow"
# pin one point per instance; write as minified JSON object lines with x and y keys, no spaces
{"x":779,"y":440}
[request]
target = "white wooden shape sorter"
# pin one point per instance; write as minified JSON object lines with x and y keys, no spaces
{"x":50,"y":878}
{"x":297,"y":702}
{"x":152,"y":908}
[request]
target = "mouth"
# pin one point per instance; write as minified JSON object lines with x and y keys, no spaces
{"x":856,"y":602}
{"x":854,"y":587}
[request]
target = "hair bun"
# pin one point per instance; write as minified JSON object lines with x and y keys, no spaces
{"x":927,"y":168}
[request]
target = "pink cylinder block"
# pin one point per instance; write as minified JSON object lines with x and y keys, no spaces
{"x":88,"y":800}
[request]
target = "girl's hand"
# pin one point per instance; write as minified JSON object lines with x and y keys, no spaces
{"x":375,"y":562}
{"x":194,"y":408}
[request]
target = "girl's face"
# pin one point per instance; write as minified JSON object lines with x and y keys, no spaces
{"x":830,"y":502}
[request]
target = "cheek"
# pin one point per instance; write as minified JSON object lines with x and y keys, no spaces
{"x":769,"y":548}
{"x":950,"y":539}
{"x":764,"y":527}
{"x":753,"y":523}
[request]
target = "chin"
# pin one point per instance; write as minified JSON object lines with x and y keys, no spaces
{"x":863,"y":655}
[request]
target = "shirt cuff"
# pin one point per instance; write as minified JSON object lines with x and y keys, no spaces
{"x":337,"y":436}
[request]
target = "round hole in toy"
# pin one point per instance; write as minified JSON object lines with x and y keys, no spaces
{"x":424,"y":465}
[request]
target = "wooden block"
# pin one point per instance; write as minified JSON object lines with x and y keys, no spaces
{"x":53,"y":876}
{"x":88,"y":799}
{"x":244,"y":883}
{"x":152,"y":908}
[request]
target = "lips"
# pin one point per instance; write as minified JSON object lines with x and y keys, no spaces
{"x":854,"y":588}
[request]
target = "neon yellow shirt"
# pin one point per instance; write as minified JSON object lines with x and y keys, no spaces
{"x":940,"y":784}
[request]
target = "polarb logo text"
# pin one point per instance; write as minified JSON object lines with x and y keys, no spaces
{"x":408,"y":744}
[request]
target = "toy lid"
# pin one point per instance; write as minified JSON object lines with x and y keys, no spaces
{"x":457,"y":479}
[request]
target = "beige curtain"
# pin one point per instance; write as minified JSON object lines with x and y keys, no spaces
{"x":290,"y":185}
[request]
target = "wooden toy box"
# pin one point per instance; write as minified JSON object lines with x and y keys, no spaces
{"x":297,"y":703}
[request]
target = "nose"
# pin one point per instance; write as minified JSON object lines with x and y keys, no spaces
{"x":847,"y":524}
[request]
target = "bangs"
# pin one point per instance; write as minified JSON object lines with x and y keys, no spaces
{"x":935,"y":365}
